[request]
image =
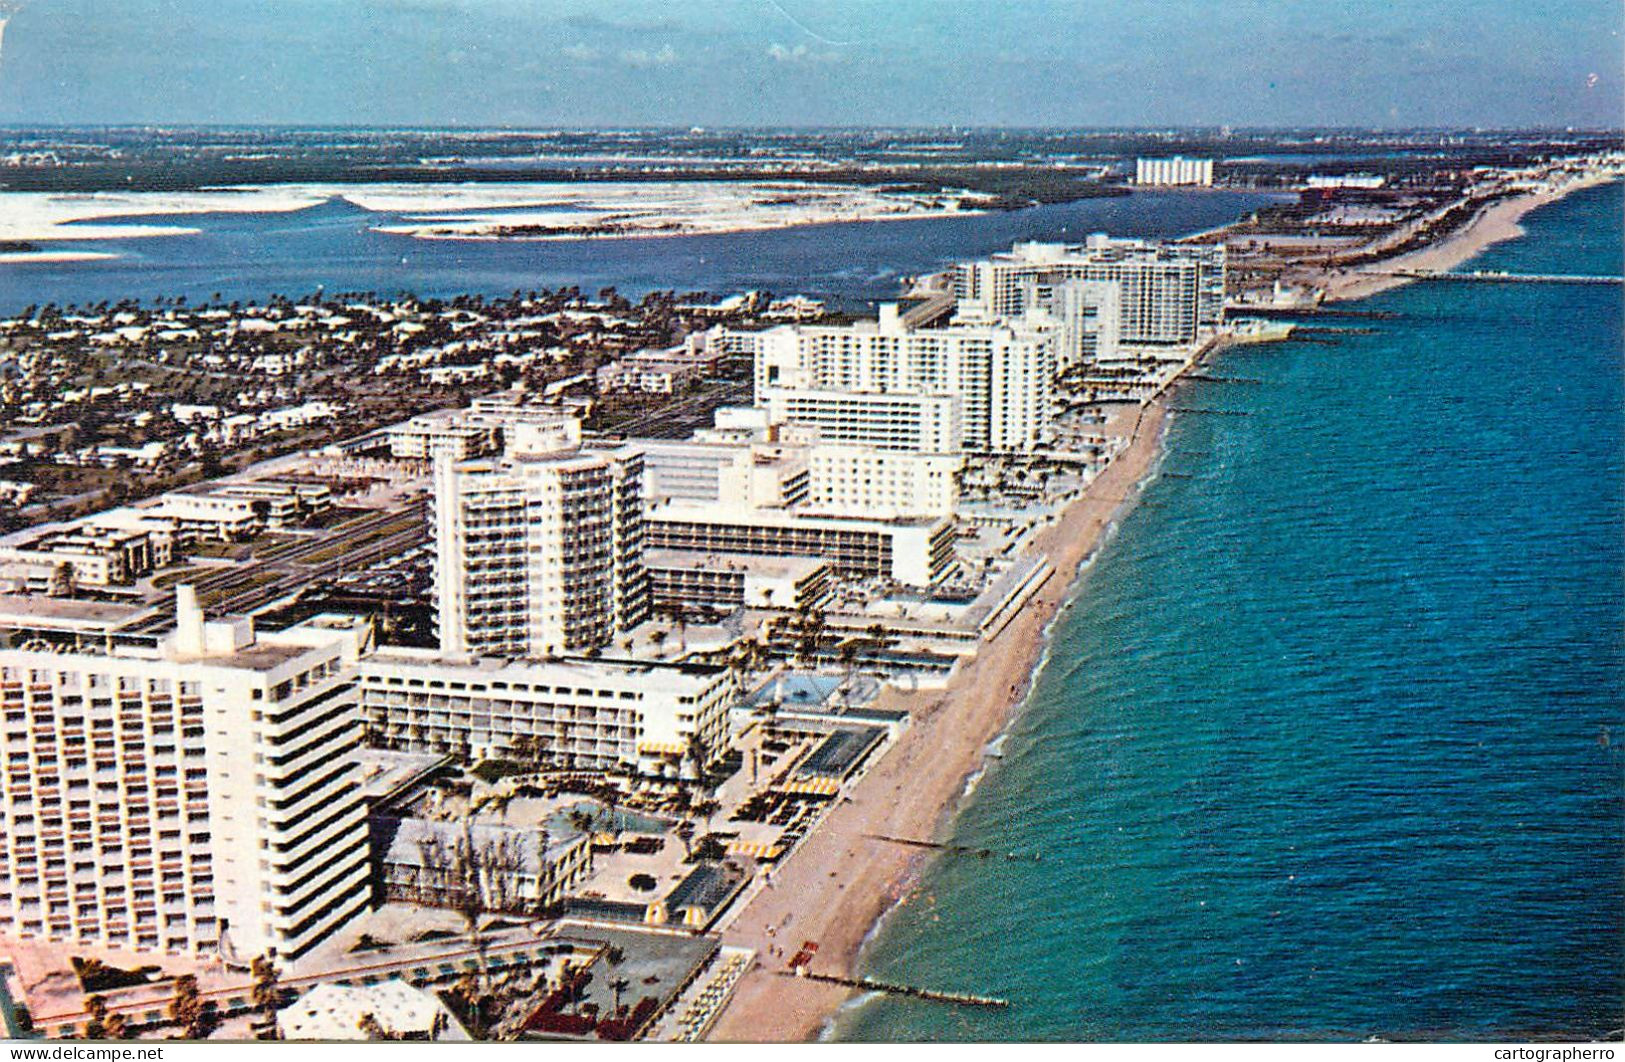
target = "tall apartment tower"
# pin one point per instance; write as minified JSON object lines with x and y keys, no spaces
{"x":1177,"y":170}
{"x":1170,"y":293}
{"x":849,"y":380}
{"x":198,"y":797}
{"x":539,"y":552}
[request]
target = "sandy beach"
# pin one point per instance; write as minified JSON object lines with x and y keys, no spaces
{"x":1491,"y":225}
{"x":841,"y":882}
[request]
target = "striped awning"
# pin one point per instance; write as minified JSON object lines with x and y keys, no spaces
{"x":756,"y":849}
{"x":813,"y":786}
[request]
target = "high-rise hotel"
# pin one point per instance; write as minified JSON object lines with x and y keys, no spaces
{"x":538,"y":552}
{"x":196,"y":793}
{"x":1176,"y":170}
{"x":886,"y":383}
{"x":1171,"y":294}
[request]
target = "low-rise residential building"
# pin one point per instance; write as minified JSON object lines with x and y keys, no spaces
{"x":211,"y":516}
{"x":230,"y":512}
{"x":661,"y":372}
{"x":479,"y":866}
{"x":392,"y":1010}
{"x":110,"y":549}
{"x":446,"y":432}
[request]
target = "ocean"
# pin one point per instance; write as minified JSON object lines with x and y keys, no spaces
{"x":1330,"y":744}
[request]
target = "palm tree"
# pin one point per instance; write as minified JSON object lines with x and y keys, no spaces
{"x":185,"y":1006}
{"x":685,"y":833}
{"x":617,"y":986}
{"x":95,"y":1028}
{"x":266,"y":992}
{"x":705,"y":809}
{"x":849,"y":664}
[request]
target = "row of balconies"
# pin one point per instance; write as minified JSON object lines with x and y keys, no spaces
{"x":502,"y":709}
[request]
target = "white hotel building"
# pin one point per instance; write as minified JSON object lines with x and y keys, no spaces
{"x":915,"y":423}
{"x":1176,"y":170}
{"x":539,"y":552}
{"x":1172,"y":294}
{"x":804,"y":474}
{"x":1001,"y":375}
{"x":856,"y":481}
{"x":636,"y":716}
{"x":196,"y":796}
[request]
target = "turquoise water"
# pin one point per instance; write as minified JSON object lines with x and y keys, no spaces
{"x":1331,"y":744}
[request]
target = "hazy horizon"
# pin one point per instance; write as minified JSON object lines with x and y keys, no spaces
{"x":1034,"y":64}
{"x":449,"y":126}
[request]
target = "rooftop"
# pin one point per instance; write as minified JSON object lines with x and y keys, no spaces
{"x":713,"y":513}
{"x":414,"y":842}
{"x":840,"y":752}
{"x":31,"y":611}
{"x":769,"y":567}
{"x":337,"y":1012}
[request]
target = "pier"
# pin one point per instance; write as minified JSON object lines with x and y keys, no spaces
{"x":1309,"y":310}
{"x":957,"y":849}
{"x":1211,"y":378}
{"x":963,"y":999}
{"x":1495,"y":276}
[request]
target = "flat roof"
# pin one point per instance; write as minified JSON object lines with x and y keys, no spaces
{"x":384,"y":772}
{"x":799,"y":689}
{"x":692,"y":513}
{"x":771,"y":567}
{"x":841,"y":751}
{"x":584,"y":667}
{"x":30,"y":610}
{"x":256,"y":656}
{"x":412,"y":842}
{"x":708,"y":886}
{"x":656,"y":964}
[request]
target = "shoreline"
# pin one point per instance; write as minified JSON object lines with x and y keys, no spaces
{"x":928,"y":770}
{"x":1495,"y":223}
{"x":919,"y":785}
{"x":678,"y":230}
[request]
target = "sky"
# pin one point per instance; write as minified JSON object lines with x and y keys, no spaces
{"x":1491,"y":63}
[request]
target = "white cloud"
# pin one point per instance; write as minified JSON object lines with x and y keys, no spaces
{"x":584,"y":53}
{"x":800,"y":54}
{"x":643,"y":57}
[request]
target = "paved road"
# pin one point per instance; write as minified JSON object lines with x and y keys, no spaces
{"x":283,"y":568}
